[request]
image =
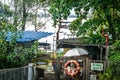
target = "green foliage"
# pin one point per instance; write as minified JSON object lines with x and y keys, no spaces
{"x":11,"y":54}
{"x":115,"y":51}
{"x":104,"y":14}
{"x":22,"y":9}
{"x":5,"y":49}
{"x":22,"y":56}
{"x":5,"y":26}
{"x":5,"y":13}
{"x":59,"y":9}
{"x":4,"y":10}
{"x":75,"y":24}
{"x":97,"y":14}
{"x":113,"y":71}
{"x":96,"y":39}
{"x":114,"y":59}
{"x":105,"y":76}
{"x":8,"y":54}
{"x":93,"y":33}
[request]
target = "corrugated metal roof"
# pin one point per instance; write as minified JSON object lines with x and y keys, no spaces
{"x":27,"y":35}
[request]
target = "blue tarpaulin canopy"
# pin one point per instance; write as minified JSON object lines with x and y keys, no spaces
{"x":28,"y":35}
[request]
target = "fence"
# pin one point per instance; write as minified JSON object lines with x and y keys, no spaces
{"x":14,"y":73}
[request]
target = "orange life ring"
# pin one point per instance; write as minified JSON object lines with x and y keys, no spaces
{"x":73,"y":73}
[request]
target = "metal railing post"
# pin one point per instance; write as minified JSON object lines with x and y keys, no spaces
{"x":30,"y":71}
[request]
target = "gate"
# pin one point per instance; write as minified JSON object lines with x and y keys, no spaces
{"x":83,"y":62}
{"x":95,"y":69}
{"x":20,"y":73}
{"x":89,"y":69}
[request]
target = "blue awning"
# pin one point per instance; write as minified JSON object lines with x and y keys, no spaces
{"x":27,"y":35}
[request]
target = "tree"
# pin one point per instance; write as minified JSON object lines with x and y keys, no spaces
{"x":60,"y":10}
{"x":23,"y":10}
{"x":105,"y":14}
{"x":5,"y":26}
{"x":113,"y":71}
{"x":11,"y":54}
{"x":97,"y":13}
{"x":35,"y":16}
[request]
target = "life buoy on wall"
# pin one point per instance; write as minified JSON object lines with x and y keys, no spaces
{"x":71,"y":72}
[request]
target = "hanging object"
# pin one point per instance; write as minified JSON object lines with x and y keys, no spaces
{"x":72,"y":68}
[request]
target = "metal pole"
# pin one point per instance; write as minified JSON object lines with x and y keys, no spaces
{"x":52,"y":55}
{"x":58,"y":68}
{"x":101,"y":49}
{"x":107,"y":48}
{"x":30,"y":71}
{"x":107,"y":53}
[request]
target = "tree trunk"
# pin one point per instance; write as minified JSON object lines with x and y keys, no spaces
{"x":36,"y":16}
{"x":24,"y":16}
{"x":57,"y":35}
{"x":15,"y":14}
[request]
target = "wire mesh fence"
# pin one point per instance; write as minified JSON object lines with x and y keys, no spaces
{"x":20,"y":73}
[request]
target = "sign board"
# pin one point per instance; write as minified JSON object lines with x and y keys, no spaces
{"x":97,"y":66}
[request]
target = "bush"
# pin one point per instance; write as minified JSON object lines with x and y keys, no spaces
{"x":113,"y":71}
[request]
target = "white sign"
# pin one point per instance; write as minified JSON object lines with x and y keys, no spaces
{"x":92,"y":77}
{"x":97,"y":66}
